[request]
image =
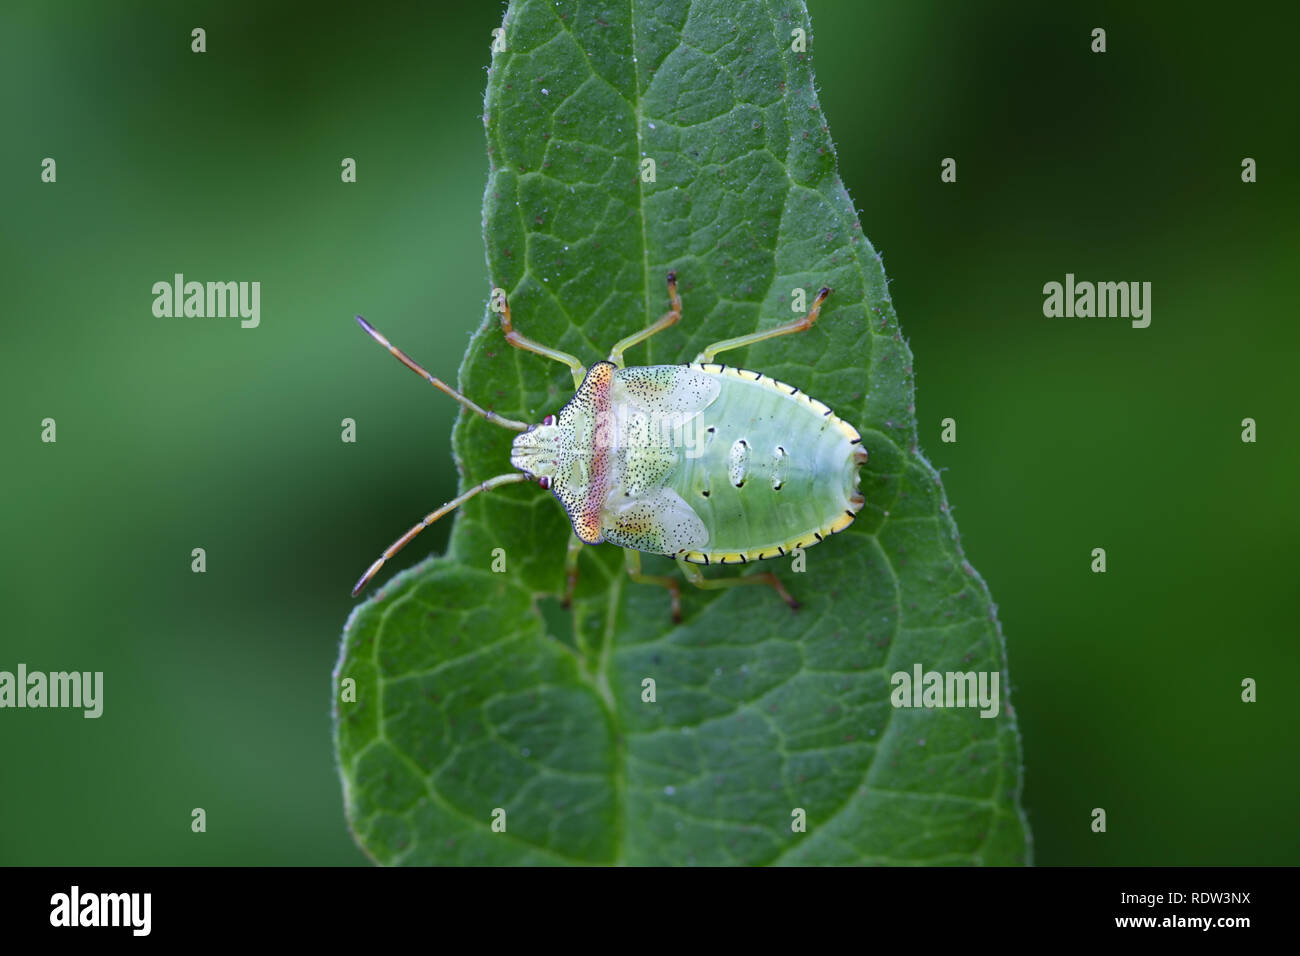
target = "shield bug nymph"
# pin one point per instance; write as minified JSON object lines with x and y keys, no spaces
{"x":702,"y":462}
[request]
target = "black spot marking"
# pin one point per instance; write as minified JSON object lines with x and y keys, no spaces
{"x":856,"y":441}
{"x":705,"y":492}
{"x":818,"y":536}
{"x":780,"y":551}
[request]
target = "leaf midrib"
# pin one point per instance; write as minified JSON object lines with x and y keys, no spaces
{"x":601,"y":682}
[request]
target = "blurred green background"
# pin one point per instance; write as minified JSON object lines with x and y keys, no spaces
{"x":1072,"y":433}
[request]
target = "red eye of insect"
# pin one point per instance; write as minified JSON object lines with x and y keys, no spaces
{"x":548,"y":420}
{"x":544,"y":482}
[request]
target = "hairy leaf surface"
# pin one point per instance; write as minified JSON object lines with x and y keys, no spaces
{"x":478,"y":698}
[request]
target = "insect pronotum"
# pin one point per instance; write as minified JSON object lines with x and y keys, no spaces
{"x":703,"y":462}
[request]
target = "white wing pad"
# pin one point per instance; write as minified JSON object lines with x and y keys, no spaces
{"x":659,"y":522}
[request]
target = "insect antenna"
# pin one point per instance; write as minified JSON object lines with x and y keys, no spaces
{"x":433,"y":516}
{"x":440,"y":385}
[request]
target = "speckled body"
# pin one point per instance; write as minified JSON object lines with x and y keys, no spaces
{"x":704,"y":462}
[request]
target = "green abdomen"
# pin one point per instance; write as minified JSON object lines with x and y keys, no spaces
{"x":771,"y":470}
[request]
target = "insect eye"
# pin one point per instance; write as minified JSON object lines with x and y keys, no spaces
{"x":544,"y":482}
{"x":548,"y":420}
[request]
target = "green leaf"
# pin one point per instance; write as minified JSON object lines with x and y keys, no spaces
{"x":476,"y":693}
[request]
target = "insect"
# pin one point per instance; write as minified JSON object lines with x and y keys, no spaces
{"x":703,"y":462}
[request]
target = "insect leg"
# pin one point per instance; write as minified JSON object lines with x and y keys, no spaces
{"x":797,"y":325}
{"x":671,"y":317}
{"x":440,"y":385}
{"x":696,"y":577}
{"x":632,"y":559}
{"x":571,"y":568}
{"x":528,"y":345}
